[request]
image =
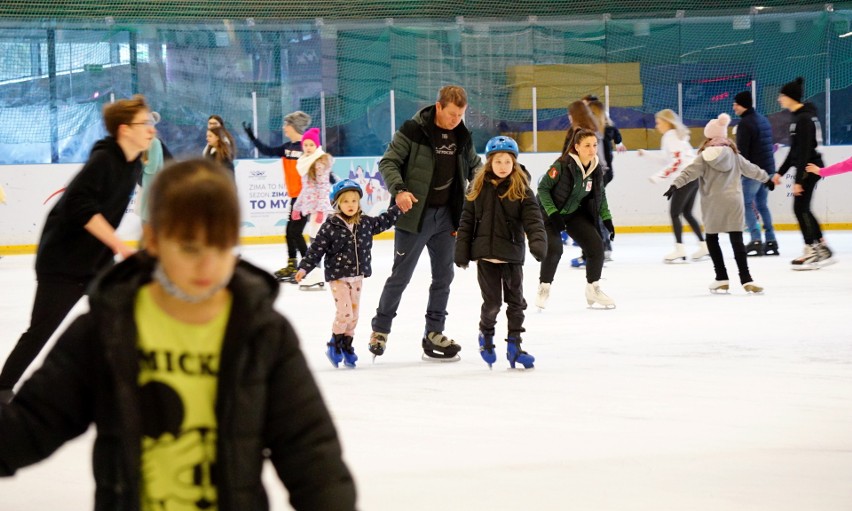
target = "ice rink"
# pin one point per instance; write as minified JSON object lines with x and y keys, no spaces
{"x":676,"y":400}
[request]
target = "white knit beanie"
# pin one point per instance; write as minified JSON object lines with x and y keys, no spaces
{"x":718,"y":127}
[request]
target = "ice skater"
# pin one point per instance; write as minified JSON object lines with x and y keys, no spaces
{"x":79,"y":239}
{"x":345,"y":240}
{"x":573,"y":198}
{"x":678,"y":153}
{"x":500,"y":209}
{"x":717,"y":169}
{"x":186,"y":371}
{"x":805,"y":136}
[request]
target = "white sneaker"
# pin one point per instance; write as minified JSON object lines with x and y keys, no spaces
{"x":679,"y":254}
{"x":751,"y":287}
{"x":719,"y":286}
{"x":595,"y":295}
{"x":701,"y":252}
{"x":543,"y":295}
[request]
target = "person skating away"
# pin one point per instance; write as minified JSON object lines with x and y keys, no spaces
{"x":295,"y":124}
{"x":677,"y":154}
{"x":79,"y":239}
{"x":345,"y":240}
{"x":500,"y":209}
{"x":754,"y":142}
{"x":832,"y":170}
{"x":718,"y":170}
{"x":186,"y":371}
{"x":573,"y":197}
{"x":426,"y":169}
{"x":805,"y":136}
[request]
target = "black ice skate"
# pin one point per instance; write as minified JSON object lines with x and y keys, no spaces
{"x":754,"y":248}
{"x":771,"y":248}
{"x":287,"y":273}
{"x":437,"y":347}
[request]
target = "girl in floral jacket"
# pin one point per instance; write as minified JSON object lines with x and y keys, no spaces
{"x":346,"y":240}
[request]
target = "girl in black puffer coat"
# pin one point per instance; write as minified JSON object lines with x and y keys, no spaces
{"x":500,"y":208}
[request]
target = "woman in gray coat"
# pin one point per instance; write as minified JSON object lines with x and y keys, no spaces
{"x":718,"y":168}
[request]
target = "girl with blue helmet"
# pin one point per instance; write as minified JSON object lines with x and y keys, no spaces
{"x":500,"y":210}
{"x":346,"y":242}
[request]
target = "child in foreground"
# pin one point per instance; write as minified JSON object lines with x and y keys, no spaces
{"x":190,"y":376}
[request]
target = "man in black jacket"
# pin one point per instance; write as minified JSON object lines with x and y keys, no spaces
{"x":805,"y":135}
{"x":79,"y":238}
{"x":754,"y":141}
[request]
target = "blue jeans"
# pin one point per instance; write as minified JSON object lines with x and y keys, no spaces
{"x":436,"y":235}
{"x":754,"y":196}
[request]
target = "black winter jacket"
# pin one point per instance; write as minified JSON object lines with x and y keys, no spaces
{"x":104,"y":185}
{"x":493,"y":228}
{"x":267,"y":404}
{"x":754,"y":140}
{"x":804,"y":138}
{"x":409,"y":163}
{"x":347,"y":253}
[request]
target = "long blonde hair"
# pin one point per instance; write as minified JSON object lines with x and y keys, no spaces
{"x":673,"y":118}
{"x":518,"y":180}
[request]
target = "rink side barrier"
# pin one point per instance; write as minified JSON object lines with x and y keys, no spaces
{"x":637,"y":205}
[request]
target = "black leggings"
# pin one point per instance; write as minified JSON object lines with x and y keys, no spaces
{"x":739,"y":255}
{"x":808,"y":223}
{"x":585,"y":232}
{"x":683,"y":200}
{"x":55,"y":297}
{"x":295,"y":239}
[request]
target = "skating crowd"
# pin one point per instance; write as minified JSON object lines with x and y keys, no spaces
{"x":182,"y":351}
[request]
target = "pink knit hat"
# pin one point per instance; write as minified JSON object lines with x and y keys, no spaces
{"x":312,"y":134}
{"x":718,"y":127}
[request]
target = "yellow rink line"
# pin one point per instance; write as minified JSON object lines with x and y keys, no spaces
{"x":272,"y":240}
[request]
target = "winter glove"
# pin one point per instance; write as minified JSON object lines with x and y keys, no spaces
{"x":249,"y":132}
{"x":319,"y":217}
{"x":462,"y":266}
{"x":610,"y":228}
{"x":769,"y":184}
{"x":669,"y":192}
{"x":557,"y":221}
{"x":296,"y":215}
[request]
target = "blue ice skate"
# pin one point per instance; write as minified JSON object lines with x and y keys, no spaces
{"x":349,"y":356}
{"x":578,"y":262}
{"x":516,"y":355}
{"x":334,"y":353}
{"x":486,"y":349}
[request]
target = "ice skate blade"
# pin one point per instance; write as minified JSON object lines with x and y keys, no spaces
{"x":804,"y":267}
{"x":720,"y":291}
{"x":520,"y":368}
{"x":679,"y":260}
{"x":427,"y":358}
{"x":827,"y":262}
{"x":312,"y":287}
{"x":600,"y":306}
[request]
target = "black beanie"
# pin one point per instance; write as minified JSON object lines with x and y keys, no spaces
{"x":743,"y":99}
{"x":793,"y":90}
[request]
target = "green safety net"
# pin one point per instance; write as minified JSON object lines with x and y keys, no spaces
{"x":360,"y":69}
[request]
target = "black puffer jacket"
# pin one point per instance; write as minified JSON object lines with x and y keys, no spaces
{"x":493,"y":228}
{"x":754,"y":140}
{"x":267,"y":405}
{"x":348,"y":253}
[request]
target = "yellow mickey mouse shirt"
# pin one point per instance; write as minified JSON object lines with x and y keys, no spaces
{"x":178,"y":371}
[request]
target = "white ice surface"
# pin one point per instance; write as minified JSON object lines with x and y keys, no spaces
{"x":676,"y":400}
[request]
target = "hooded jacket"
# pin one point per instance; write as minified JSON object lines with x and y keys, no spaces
{"x":347,"y":252}
{"x":409,"y":164}
{"x":805,"y":135}
{"x":267,"y":403}
{"x":104,"y":185}
{"x":494,"y":228}
{"x":718,"y":169}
